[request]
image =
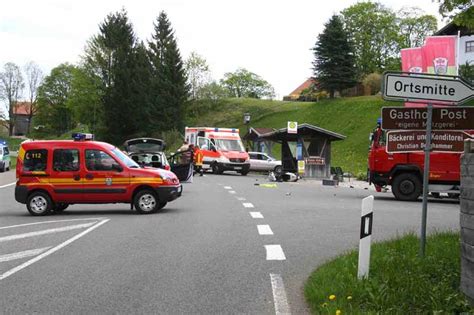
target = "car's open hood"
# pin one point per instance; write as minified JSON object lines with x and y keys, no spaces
{"x":144,"y":145}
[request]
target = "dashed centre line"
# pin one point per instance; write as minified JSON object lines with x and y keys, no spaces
{"x":264,"y":229}
{"x":248,"y":205}
{"x":227,"y":187}
{"x":256,"y":215}
{"x":241,"y":198}
{"x":231,"y":191}
{"x":279,"y":295}
{"x":275,"y":252}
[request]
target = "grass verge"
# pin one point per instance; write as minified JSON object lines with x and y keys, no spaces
{"x":400,"y":282}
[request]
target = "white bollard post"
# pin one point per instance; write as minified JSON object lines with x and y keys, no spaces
{"x":365,"y":237}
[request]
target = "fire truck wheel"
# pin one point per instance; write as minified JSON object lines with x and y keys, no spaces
{"x":406,"y":186}
{"x":39,"y":203}
{"x":216,"y":169}
{"x":146,"y":202}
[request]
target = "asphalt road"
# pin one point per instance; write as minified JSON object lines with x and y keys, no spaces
{"x":202,"y":254}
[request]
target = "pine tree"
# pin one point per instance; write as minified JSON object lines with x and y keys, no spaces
{"x":170,"y":90}
{"x":115,"y":56}
{"x":334,"y":58}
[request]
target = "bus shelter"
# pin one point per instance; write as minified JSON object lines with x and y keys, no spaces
{"x":310,"y":144}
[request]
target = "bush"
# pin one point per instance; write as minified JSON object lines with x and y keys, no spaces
{"x":373,"y":81}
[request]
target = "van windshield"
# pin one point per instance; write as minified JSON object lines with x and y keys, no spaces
{"x":125,"y":159}
{"x":229,"y":145}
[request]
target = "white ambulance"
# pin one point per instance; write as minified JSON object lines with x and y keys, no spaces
{"x":222,"y":148}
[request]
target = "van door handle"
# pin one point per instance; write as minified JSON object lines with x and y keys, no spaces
{"x":89,"y":176}
{"x":76,"y":177}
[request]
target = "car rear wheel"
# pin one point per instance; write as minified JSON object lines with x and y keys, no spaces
{"x":39,"y":203}
{"x":146,"y":202}
{"x":407,"y":187}
{"x":278,"y":170}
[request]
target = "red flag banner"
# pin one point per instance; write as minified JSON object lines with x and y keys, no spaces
{"x":440,"y":54}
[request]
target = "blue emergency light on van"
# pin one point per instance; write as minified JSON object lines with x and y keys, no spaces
{"x":79,"y":136}
{"x":3,"y":142}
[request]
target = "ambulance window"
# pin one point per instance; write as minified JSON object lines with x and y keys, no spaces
{"x":5,"y":150}
{"x":35,"y":161}
{"x":97,"y":160}
{"x":66,"y":160}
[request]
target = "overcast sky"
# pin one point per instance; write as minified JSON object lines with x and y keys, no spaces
{"x":272,"y":38}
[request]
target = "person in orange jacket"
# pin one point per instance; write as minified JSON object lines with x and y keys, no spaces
{"x":198,"y":158}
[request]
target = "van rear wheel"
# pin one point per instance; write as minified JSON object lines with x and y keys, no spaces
{"x":39,"y":203}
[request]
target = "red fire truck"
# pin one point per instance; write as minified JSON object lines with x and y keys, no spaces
{"x":404,"y":171}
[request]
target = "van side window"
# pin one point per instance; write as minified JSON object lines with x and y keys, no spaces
{"x":66,"y":160}
{"x":97,"y":160}
{"x":35,"y":160}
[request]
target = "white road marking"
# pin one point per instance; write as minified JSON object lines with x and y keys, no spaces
{"x":248,"y":205}
{"x":7,"y":185}
{"x":275,"y":252}
{"x":43,"y":232}
{"x":264,"y":229}
{"x":231,"y":192}
{"x":23,"y":254}
{"x":279,"y":295}
{"x":256,"y":215}
{"x":227,"y":187}
{"x":51,"y":251}
{"x":241,"y":198}
{"x":45,"y":222}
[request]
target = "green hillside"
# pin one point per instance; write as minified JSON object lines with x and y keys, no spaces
{"x":353,"y":117}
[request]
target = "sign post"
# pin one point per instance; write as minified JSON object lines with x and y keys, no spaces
{"x":425,"y":88}
{"x":426,"y":179}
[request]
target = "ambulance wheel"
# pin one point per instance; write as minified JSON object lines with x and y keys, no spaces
{"x":2,"y":169}
{"x":39,"y":203}
{"x":406,"y":187}
{"x":216,"y":169}
{"x":60,"y":207}
{"x":146,"y":202}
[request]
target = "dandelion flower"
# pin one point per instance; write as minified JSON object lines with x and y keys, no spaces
{"x":332,"y":297}
{"x":338,"y":312}
{"x":349,"y":297}
{"x":324,"y":305}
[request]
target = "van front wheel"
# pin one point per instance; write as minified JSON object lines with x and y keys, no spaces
{"x":39,"y":203}
{"x":146,"y":202}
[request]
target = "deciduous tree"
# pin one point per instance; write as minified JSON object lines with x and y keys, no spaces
{"x":198,"y":74}
{"x":334,"y":62}
{"x":460,"y":11}
{"x":374,"y":34}
{"x":34,"y":76}
{"x":243,"y":83}
{"x":11,"y":86}
{"x":415,"y":26}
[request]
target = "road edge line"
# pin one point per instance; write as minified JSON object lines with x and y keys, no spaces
{"x":279,"y":295}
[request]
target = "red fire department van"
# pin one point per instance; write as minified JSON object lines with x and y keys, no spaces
{"x":404,"y":171}
{"x":52,"y":174}
{"x":222,"y":148}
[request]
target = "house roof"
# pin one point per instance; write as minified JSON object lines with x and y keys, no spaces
{"x":255,"y":133}
{"x":22,"y":108}
{"x":452,"y":29}
{"x":306,"y":84}
{"x":305,"y":130}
